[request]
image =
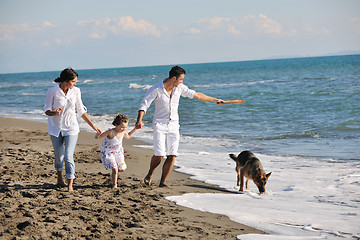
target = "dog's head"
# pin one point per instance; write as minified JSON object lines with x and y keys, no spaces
{"x":261,"y":180}
{"x":233,"y":156}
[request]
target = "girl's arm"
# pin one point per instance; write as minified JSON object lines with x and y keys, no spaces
{"x":104,"y":134}
{"x":130,"y":134}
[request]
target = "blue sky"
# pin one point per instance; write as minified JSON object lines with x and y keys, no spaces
{"x":46,"y":35}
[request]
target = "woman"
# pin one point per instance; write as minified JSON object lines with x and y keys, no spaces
{"x":61,"y":102}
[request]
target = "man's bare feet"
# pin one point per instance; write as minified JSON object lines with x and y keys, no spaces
{"x":147,"y":179}
{"x":114,"y":186}
{"x":164,"y":185}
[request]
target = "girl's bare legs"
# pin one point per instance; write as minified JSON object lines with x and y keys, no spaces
{"x":114,"y":177}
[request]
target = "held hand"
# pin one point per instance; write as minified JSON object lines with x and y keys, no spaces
{"x":97,"y":135}
{"x":139,"y":125}
{"x":98,"y":130}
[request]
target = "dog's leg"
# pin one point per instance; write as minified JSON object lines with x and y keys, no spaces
{"x":241,"y":182}
{"x":247,"y":184}
{"x":238,"y":175}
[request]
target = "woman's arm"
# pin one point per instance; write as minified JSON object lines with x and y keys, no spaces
{"x":54,"y":113}
{"x":48,"y":107}
{"x":88,"y":121}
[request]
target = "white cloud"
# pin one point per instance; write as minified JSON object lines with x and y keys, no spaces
{"x":216,"y":24}
{"x":193,"y":31}
{"x":311,"y":30}
{"x":10,"y":32}
{"x":100,"y":28}
{"x":48,"y":24}
{"x":58,"y":41}
{"x":243,"y":26}
{"x":268,"y":25}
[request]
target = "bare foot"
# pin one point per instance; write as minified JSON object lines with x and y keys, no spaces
{"x":114,"y":186}
{"x":163,"y":185}
{"x":70,"y":185}
{"x":61,"y":185}
{"x":147,"y":179}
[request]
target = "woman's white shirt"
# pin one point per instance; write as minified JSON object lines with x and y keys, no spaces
{"x":66,"y":122}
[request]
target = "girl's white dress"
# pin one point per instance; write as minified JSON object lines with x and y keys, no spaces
{"x":112,"y":153}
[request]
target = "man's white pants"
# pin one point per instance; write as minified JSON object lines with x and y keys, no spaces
{"x":166,"y":138}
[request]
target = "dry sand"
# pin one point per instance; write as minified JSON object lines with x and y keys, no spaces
{"x":33,"y":208}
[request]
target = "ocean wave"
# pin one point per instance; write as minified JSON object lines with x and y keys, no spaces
{"x":35,"y":112}
{"x":32,"y":94}
{"x":25,"y":85}
{"x":87,"y":81}
{"x":292,"y":136}
{"x":138,"y":86}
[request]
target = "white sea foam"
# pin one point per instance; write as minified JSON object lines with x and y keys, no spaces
{"x":32,"y":94}
{"x":87,"y":81}
{"x":138,"y":86}
{"x":306,"y":198}
{"x":143,"y":146}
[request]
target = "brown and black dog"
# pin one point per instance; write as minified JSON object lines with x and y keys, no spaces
{"x":249,"y":166}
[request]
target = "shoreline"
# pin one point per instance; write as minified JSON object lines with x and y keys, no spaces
{"x":33,"y":206}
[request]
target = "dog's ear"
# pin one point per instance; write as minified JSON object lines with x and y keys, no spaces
{"x":268,"y":175}
{"x":233,"y":156}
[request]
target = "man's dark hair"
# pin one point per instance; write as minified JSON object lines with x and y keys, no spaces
{"x":176,"y":72}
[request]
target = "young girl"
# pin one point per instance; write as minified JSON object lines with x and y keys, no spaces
{"x":112,"y":151}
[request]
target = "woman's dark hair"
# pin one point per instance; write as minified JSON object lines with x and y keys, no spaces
{"x":66,"y":75}
{"x":121,"y":118}
{"x":176,"y":72}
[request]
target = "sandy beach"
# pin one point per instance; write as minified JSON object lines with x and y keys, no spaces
{"x":33,"y":208}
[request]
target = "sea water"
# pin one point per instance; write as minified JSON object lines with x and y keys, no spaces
{"x":301,"y":117}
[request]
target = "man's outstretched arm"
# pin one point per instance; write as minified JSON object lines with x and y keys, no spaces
{"x":202,"y":97}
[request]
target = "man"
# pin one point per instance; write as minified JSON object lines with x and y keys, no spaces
{"x":166,"y":119}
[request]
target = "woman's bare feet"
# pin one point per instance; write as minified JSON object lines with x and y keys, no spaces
{"x":70,"y":185}
{"x":60,"y":180}
{"x":61,"y":184}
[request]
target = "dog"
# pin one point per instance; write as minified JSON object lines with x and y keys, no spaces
{"x":249,"y":166}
